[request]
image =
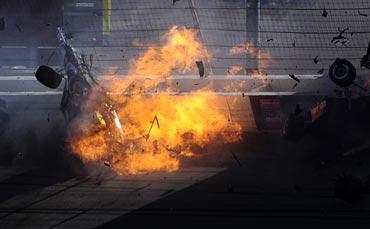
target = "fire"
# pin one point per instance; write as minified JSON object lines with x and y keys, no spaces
{"x":263,"y":57}
{"x":235,"y":69}
{"x":158,"y":130}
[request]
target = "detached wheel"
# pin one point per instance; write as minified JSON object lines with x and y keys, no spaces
{"x":48,"y":77}
{"x":342,"y":72}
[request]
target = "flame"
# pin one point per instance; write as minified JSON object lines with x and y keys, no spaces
{"x":158,"y":130}
{"x":235,"y":70}
{"x":263,"y":56}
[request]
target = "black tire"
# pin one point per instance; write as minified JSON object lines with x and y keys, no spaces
{"x":342,"y":72}
{"x":48,"y":77}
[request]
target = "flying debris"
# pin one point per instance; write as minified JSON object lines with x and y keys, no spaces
{"x":321,"y":71}
{"x":362,"y":14}
{"x":325,"y":13}
{"x":271,"y":39}
{"x":315,"y":60}
{"x":2,"y":24}
{"x":293,"y":44}
{"x":155,"y":119}
{"x":106,"y":163}
{"x":294,"y":78}
{"x":340,"y":36}
{"x":200,"y":66}
{"x":295,"y":85}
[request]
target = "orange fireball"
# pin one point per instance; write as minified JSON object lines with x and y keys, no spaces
{"x":158,"y":130}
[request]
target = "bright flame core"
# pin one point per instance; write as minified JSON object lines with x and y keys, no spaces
{"x":158,"y":130}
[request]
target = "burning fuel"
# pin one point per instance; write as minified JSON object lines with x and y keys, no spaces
{"x":262,"y":56}
{"x":139,"y":134}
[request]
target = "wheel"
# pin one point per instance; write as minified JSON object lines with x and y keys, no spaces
{"x":48,"y":77}
{"x":342,"y":73}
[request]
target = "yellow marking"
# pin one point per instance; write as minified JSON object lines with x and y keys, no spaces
{"x":107,"y":16}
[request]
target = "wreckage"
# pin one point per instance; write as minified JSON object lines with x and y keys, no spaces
{"x":263,"y":94}
{"x":78,"y":83}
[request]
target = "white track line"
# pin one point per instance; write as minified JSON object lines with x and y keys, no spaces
{"x":14,"y":78}
{"x":27,"y":93}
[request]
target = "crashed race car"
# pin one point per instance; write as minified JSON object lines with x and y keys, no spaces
{"x":343,"y":74}
{"x":78,"y":83}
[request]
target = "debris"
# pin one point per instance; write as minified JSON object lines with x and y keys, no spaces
{"x":20,"y":29}
{"x":2,"y":24}
{"x":151,"y":126}
{"x":48,"y":24}
{"x":352,"y":33}
{"x":325,"y":13}
{"x":20,"y":154}
{"x":295,"y":85}
{"x":268,"y":40}
{"x":156,"y":119}
{"x":297,"y":110}
{"x":294,"y":78}
{"x":321,"y":71}
{"x":236,"y":159}
{"x":243,"y":95}
{"x":294,"y":44}
{"x":48,"y":117}
{"x":174,"y":2}
{"x":106,"y":163}
{"x":200,"y":66}
{"x":315,"y":60}
{"x":340,"y":36}
{"x":362,"y":14}
{"x":230,"y":188}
